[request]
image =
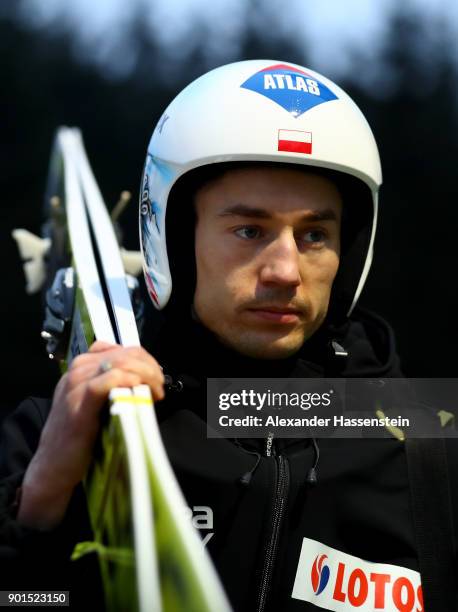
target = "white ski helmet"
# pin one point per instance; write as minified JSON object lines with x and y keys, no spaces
{"x":259,"y":111}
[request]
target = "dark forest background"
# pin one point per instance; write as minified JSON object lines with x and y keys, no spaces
{"x":410,"y":100}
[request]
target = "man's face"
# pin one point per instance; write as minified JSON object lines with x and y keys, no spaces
{"x":267,"y":252}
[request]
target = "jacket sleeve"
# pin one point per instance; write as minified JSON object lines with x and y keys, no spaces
{"x":32,"y":558}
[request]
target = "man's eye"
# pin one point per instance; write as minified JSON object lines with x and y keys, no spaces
{"x":248,"y":232}
{"x":314,"y":236}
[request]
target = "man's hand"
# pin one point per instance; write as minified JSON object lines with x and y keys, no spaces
{"x":65,"y":449}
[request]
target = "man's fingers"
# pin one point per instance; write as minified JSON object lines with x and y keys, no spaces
{"x":98,"y":383}
{"x":149,"y":371}
{"x":113,"y":350}
{"x":98,"y":388}
{"x":99,"y":345}
{"x":107,"y":363}
{"x":116,"y":355}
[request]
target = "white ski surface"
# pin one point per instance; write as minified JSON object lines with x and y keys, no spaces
{"x":86,"y":267}
{"x":145,"y":550}
{"x":205,"y":574}
{"x":143,"y":410}
{"x":110,"y":254}
{"x":149,"y":592}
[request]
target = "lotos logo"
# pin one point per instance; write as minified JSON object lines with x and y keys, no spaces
{"x":320,"y":575}
{"x":291,"y":88}
{"x":347,"y":583}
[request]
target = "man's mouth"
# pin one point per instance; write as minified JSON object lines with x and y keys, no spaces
{"x":277,"y":314}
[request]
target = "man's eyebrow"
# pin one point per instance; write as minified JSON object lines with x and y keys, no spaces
{"x":242,"y":210}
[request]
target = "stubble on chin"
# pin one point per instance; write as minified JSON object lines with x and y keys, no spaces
{"x":264,"y":345}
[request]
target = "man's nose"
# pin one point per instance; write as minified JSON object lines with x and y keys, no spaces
{"x":280,"y":265}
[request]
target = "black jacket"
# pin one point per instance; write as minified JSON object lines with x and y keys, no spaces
{"x":360,"y":506}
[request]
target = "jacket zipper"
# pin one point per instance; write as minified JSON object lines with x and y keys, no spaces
{"x":281,"y":492}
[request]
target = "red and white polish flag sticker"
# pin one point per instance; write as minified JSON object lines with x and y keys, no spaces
{"x":295,"y":141}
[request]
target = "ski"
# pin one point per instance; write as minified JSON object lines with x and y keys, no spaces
{"x":151,"y":557}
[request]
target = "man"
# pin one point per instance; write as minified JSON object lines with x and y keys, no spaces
{"x":269,"y":176}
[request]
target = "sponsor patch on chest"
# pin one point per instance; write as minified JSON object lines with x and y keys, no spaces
{"x":333,"y":580}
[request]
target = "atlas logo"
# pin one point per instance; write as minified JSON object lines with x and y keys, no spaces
{"x":320,"y":574}
{"x":291,"y":88}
